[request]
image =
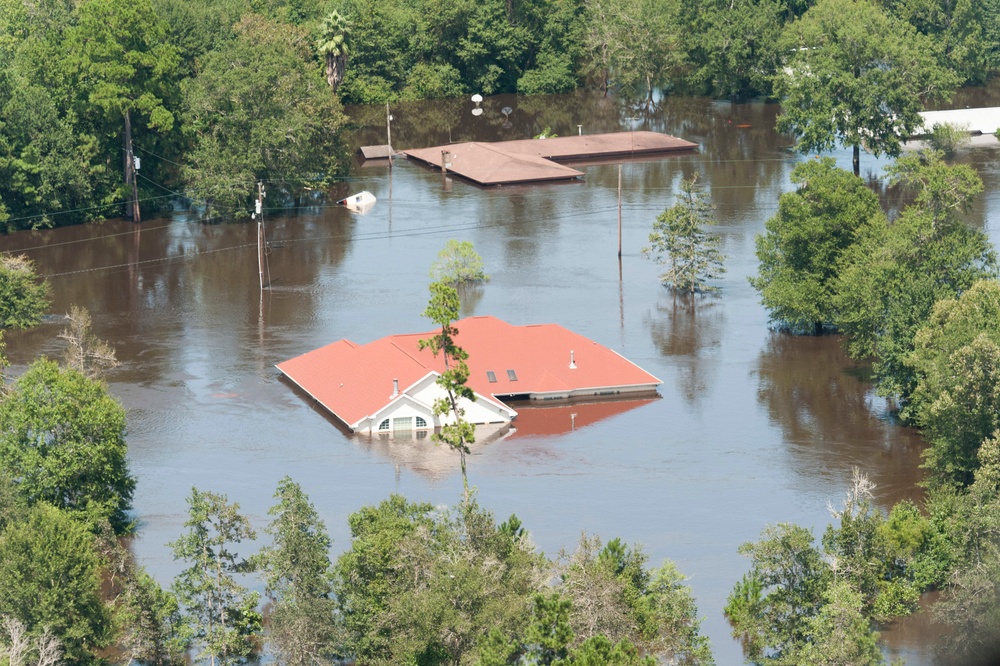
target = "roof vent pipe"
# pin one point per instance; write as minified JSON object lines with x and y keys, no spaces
{"x":572,"y":362}
{"x":395,"y":388}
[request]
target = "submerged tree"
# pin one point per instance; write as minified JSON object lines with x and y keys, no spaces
{"x":222,"y":613}
{"x":800,"y":255}
{"x":857,"y":76}
{"x":458,"y":264}
{"x":23,"y":297}
{"x":679,"y":241}
{"x":85,"y":353}
{"x":298,"y":575}
{"x":62,"y":438}
{"x":455,"y":431}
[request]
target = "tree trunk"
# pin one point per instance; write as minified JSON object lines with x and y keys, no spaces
{"x":857,"y":160}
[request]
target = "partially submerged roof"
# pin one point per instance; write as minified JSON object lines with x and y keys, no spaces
{"x":535,"y":160}
{"x":492,"y":164}
{"x":354,"y":381}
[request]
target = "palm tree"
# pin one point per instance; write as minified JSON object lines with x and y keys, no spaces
{"x":332,"y":45}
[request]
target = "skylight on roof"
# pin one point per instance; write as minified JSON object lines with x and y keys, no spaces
{"x":511,"y":375}
{"x":492,"y":376}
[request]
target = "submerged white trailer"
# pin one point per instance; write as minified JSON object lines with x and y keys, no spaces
{"x":976,"y":121}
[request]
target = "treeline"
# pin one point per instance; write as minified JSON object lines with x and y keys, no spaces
{"x":917,"y":296}
{"x":208,"y":97}
{"x":213,"y":97}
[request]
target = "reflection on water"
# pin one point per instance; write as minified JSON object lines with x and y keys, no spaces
{"x":689,"y":327}
{"x":752,"y":427}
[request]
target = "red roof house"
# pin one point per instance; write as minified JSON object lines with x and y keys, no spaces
{"x":389,"y":385}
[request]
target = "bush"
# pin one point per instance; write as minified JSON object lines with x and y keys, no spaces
{"x":948,"y":138}
{"x":23,"y":297}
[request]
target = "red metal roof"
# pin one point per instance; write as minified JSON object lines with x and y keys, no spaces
{"x":355,"y":381}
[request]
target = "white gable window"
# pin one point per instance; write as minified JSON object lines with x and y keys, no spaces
{"x":421,"y":422}
{"x":384,"y":425}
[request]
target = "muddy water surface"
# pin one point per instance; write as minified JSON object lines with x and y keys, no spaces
{"x":752,"y":427}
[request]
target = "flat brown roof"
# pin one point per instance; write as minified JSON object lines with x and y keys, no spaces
{"x":535,"y":160}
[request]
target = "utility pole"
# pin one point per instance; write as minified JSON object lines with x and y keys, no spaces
{"x":388,"y":128}
{"x":619,"y":210}
{"x":259,"y":214}
{"x":132,"y":206}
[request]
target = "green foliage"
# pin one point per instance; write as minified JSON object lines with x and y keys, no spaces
{"x":333,"y":46}
{"x":863,"y":558}
{"x":942,"y":190}
{"x":841,"y":633}
{"x":458,"y":263}
{"x":615,"y":598}
{"x":891,"y":279}
{"x":679,"y":241}
{"x":599,"y":651}
{"x":856,"y":76}
{"x":257,"y":111}
{"x":148,"y":625}
{"x":23,"y":297}
{"x":298,"y":575}
{"x":222,"y":615}
{"x":427,"y":81}
{"x":62,"y":438}
{"x":948,"y":138}
{"x":552,"y":74}
{"x":457,"y":433}
{"x":800,"y":255}
{"x":734,"y":46}
{"x":50,"y":577}
{"x":774,"y":606}
{"x":422,"y":587}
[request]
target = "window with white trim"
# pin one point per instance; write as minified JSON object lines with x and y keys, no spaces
{"x":421,"y":422}
{"x":384,"y":425}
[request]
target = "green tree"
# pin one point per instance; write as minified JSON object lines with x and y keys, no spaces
{"x":616,"y":598}
{"x":257,"y":110}
{"x":942,"y":190}
{"x":222,"y":614}
{"x":800,"y":255}
{"x":23,"y":297}
{"x":862,"y":556}
{"x":458,"y":263}
{"x":772,"y":608}
{"x":50,"y":579}
{"x":298,"y":576}
{"x":956,"y":400}
{"x":425,"y":586}
{"x":679,"y":241}
{"x":456,"y":432}
{"x":891,"y":279}
{"x":334,"y":46}
{"x":734,"y":46}
{"x":856,"y":76}
{"x":123,"y":64}
{"x":368,"y":573}
{"x":62,"y":438}
{"x":148,"y":625}
{"x":841,"y":633}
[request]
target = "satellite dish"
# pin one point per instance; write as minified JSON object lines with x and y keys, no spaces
{"x":477,"y":111}
{"x":477,"y":98}
{"x":506,"y":110}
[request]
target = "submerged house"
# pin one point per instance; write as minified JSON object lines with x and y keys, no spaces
{"x":389,"y":385}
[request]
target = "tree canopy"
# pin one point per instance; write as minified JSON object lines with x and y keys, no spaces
{"x":858,"y":76}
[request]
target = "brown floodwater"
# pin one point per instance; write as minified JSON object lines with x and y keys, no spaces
{"x":752,"y":426}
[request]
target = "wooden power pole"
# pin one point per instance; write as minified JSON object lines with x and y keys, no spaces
{"x":259,"y":214}
{"x":619,"y":210}
{"x":132,"y":206}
